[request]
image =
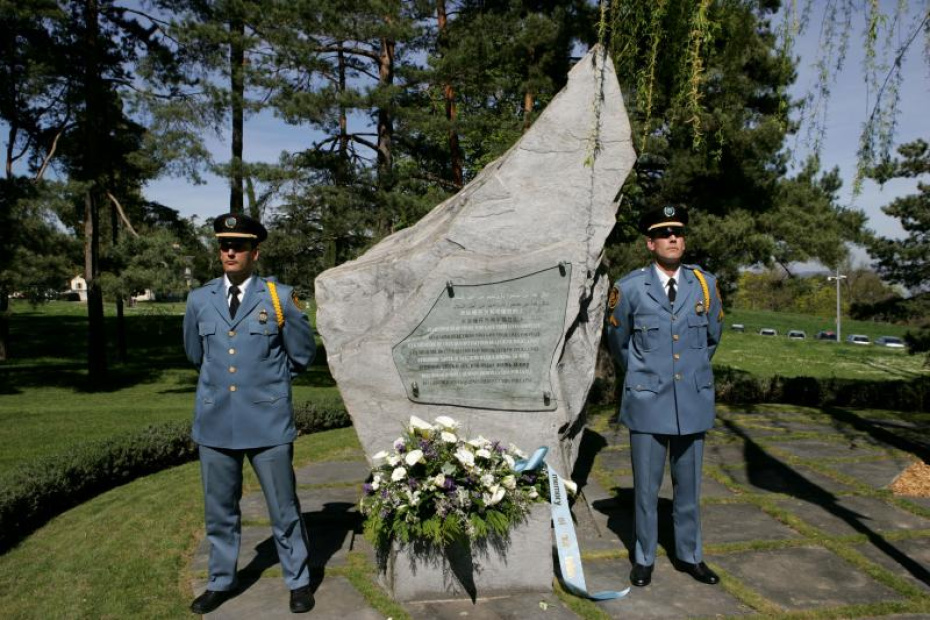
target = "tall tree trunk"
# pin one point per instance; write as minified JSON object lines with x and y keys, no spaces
{"x":448,"y":93}
{"x":95,"y":129}
{"x":528,"y":101}
{"x":237,"y":96}
{"x":385,"y":130}
{"x":4,"y":322}
{"x":96,"y":332}
{"x":120,"y":319}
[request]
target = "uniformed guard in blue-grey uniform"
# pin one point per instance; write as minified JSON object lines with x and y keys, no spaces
{"x":248,"y":336}
{"x":664,"y":323}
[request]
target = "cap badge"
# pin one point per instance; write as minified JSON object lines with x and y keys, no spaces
{"x":669,"y":211}
{"x":263,"y":316}
{"x":699,"y":308}
{"x":229,"y":222}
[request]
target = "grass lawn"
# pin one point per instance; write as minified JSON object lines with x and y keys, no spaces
{"x":45,"y":406}
{"x":125,"y":554}
{"x":777,"y":355}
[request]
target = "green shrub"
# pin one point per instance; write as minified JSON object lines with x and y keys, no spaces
{"x":736,"y":387}
{"x":39,"y":490}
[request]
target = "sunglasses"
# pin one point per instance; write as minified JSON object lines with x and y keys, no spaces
{"x":235,"y":245}
{"x":667,"y":231}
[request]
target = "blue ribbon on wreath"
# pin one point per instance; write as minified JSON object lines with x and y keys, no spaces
{"x":565,"y":537}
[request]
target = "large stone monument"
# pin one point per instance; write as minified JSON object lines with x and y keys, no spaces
{"x":490,"y":309}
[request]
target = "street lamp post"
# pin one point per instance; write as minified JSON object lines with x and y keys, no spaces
{"x":837,"y":279}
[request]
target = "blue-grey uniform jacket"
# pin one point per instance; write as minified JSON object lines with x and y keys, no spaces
{"x":665,"y":351}
{"x":246,"y":365}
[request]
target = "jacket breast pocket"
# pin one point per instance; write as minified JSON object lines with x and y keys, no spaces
{"x":206,"y":330}
{"x":697,"y":331}
{"x":646,"y":332}
{"x":268,"y":336}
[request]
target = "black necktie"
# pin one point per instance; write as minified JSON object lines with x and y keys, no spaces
{"x":671,"y":290}
{"x":233,"y":300}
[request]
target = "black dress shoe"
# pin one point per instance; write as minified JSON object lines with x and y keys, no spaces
{"x":699,"y":571}
{"x":302,"y":600}
{"x":641,"y":575}
{"x":210,"y":600}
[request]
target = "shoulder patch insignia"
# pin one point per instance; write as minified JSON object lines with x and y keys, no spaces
{"x":614,"y":298}
{"x":296,"y":300}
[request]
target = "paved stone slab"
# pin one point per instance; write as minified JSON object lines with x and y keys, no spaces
{"x":613,"y":459}
{"x":876,"y":473}
{"x":329,"y":546}
{"x":804,"y":578}
{"x":909,"y":559}
{"x":724,"y":454}
{"x":329,"y":503}
{"x":333,"y":472}
{"x":812,"y":449}
{"x":518,"y":607}
{"x":773,"y":476}
{"x":730,"y":523}
{"x":670,"y":595}
{"x":854,"y":515}
{"x":336,"y":599}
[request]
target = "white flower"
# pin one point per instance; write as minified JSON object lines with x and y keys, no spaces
{"x":438,"y":480}
{"x":479,"y":442}
{"x":377,"y":456}
{"x":447,"y":422}
{"x":421,"y":427}
{"x":520,"y":453}
{"x":509,"y":482}
{"x":393,"y":460}
{"x":509,"y":460}
{"x":413,"y":457}
{"x":448,"y":437}
{"x":465,"y":457}
{"x":484,"y":453}
{"x":398,"y":474}
{"x":375,"y":482}
{"x":570,"y":486}
{"x":497,"y":494}
{"x":533,"y":494}
{"x":487,"y":480}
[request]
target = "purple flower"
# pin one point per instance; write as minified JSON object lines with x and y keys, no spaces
{"x":412,"y":483}
{"x":367,"y":488}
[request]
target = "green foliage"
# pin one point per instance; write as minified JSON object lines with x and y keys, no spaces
{"x":436,"y":489}
{"x":42,"y":488}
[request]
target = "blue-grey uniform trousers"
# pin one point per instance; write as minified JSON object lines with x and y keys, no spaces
{"x":221,"y":472}
{"x":685,"y":453}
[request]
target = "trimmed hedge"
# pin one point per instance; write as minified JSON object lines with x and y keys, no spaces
{"x":736,"y":387}
{"x":42,"y":489}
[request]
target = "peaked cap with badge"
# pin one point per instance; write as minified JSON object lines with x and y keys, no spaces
{"x":659,"y":217}
{"x":238,"y":226}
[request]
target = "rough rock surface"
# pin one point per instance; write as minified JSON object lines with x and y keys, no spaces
{"x":551,"y":199}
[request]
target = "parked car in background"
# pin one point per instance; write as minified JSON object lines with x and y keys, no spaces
{"x":738,"y":327}
{"x":892,"y":342}
{"x":826,"y":334}
{"x":858,"y":339}
{"x":768,"y":331}
{"x":796,"y":334}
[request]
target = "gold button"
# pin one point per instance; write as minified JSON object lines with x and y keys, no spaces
{"x":677,"y":376}
{"x":232,"y":369}
{"x":232,"y":333}
{"x":675,"y":337}
{"x":677,"y":356}
{"x":232,"y":388}
{"x":232,"y":351}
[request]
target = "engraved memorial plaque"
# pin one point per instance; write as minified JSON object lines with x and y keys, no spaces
{"x":488,"y":345}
